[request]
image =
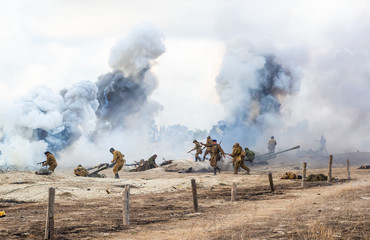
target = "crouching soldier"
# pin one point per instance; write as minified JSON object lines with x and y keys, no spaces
{"x":117,"y":161}
{"x":50,"y":160}
{"x":81,"y":171}
{"x":238,"y":155}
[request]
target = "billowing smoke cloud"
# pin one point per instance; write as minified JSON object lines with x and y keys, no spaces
{"x":118,"y":100}
{"x":251,"y":86}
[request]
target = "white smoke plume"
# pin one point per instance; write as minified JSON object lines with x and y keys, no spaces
{"x":116,"y":105}
{"x":251,"y":86}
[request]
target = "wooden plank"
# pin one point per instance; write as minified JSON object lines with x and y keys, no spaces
{"x":330,"y":168}
{"x":271,"y":182}
{"x":348,"y":171}
{"x":233,"y":192}
{"x":49,"y":228}
{"x":126,"y":206}
{"x":195,"y":196}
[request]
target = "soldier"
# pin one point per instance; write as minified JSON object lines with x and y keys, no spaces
{"x":50,"y":160}
{"x":118,"y":161}
{"x":249,"y":154}
{"x":198,"y":149}
{"x":208,"y":149}
{"x":216,"y":152}
{"x":238,"y":155}
{"x":271,"y":145}
{"x":81,"y":171}
{"x":151,"y":162}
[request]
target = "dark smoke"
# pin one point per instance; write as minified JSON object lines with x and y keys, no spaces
{"x":120,"y":96}
{"x":251,"y":100}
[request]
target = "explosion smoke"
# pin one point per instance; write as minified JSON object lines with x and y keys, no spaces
{"x":251,"y":86}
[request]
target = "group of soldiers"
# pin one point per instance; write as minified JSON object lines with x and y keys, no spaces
{"x":117,"y":163}
{"x":212,"y":147}
{"x":238,"y":154}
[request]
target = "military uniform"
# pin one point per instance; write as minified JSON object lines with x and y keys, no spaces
{"x":118,"y":160}
{"x":151,"y":162}
{"x":249,"y":154}
{"x":208,"y":149}
{"x":238,"y":155}
{"x":216,"y":152}
{"x":50,"y":160}
{"x":271,"y":145}
{"x":198,"y":149}
{"x":81,"y":171}
{"x":289,"y":175}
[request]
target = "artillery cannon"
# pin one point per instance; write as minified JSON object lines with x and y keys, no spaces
{"x":262,"y":159}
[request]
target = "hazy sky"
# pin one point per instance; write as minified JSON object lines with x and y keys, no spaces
{"x":58,"y":43}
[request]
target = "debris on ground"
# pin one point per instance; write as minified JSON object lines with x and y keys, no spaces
{"x":364,"y":167}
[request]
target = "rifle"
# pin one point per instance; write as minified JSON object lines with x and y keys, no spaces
{"x":41,"y":162}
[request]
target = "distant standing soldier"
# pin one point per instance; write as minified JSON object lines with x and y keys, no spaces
{"x":216,"y":152}
{"x":50,"y":160}
{"x":198,"y":149}
{"x":238,"y":155}
{"x":208,"y":149}
{"x":151,"y":162}
{"x":118,"y":161}
{"x":271,"y":145}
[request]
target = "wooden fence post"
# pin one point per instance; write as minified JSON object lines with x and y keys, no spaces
{"x":271,"y":182}
{"x":195,"y":196}
{"x":330,"y":165}
{"x":126,"y":206}
{"x":233,"y":192}
{"x":304,"y":174}
{"x":49,"y":228}
{"x":348,"y":171}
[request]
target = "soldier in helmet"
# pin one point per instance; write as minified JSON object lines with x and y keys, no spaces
{"x":216,"y":152}
{"x":118,"y":161}
{"x":271,"y":145}
{"x":198,"y":149}
{"x":208,"y":149}
{"x":238,"y":155}
{"x":81,"y":171}
{"x":50,"y":160}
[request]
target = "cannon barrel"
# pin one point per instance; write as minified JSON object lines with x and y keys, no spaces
{"x":267,"y":156}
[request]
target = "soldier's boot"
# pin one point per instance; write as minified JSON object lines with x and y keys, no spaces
{"x":116,"y":176}
{"x":219,"y":169}
{"x":204,"y":158}
{"x":214,"y":171}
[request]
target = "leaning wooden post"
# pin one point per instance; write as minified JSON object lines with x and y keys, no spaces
{"x":348,"y":172}
{"x":329,"y":171}
{"x":49,"y":228}
{"x":271,"y":182}
{"x":233,"y":192}
{"x":304,"y":174}
{"x":195,"y":196}
{"x":126,"y":206}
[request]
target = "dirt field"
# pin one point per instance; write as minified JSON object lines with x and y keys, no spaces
{"x":161,"y":206}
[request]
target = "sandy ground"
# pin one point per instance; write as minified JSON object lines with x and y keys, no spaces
{"x":161,"y":205}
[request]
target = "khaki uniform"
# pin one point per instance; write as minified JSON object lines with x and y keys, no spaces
{"x":215,"y":153}
{"x":50,"y":160}
{"x":208,"y":149}
{"x":271,"y":145}
{"x":118,"y":159}
{"x":81,"y":171}
{"x":238,"y":155}
{"x":289,"y":175}
{"x":198,"y":149}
